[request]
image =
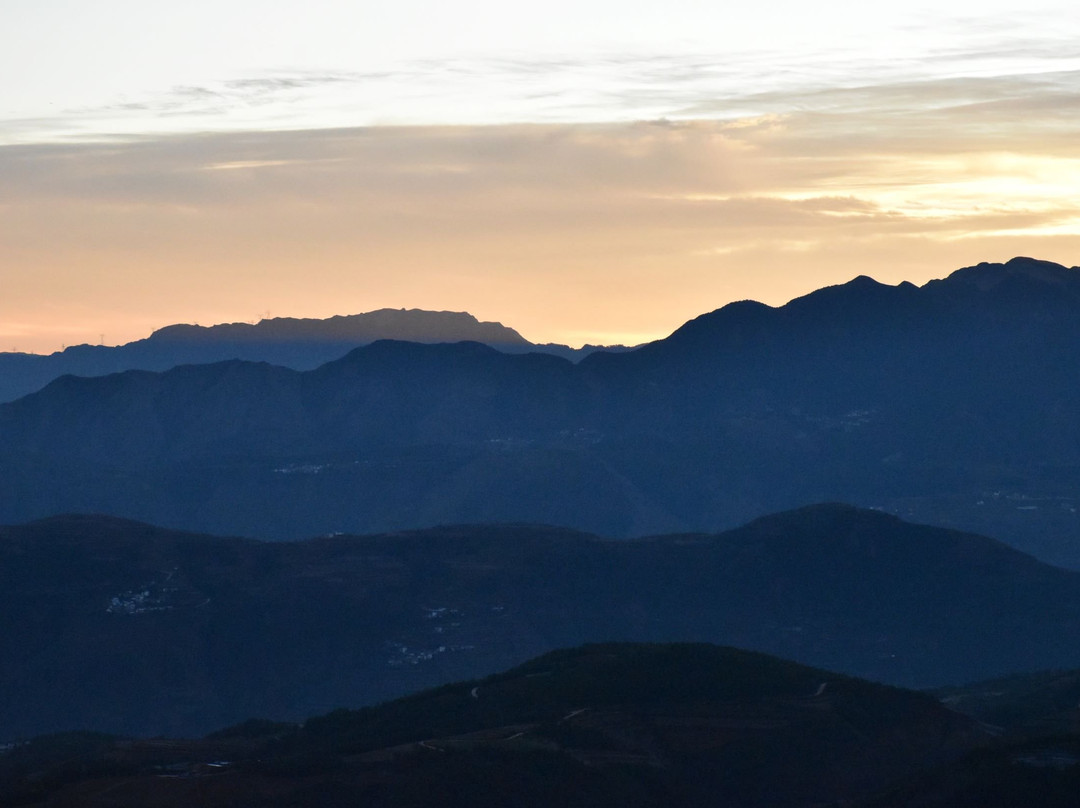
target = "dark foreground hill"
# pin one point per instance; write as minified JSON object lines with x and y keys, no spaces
{"x":1034,"y":773}
{"x":957,"y":403}
{"x":120,"y":627}
{"x":1023,"y":705}
{"x":1034,"y":762}
{"x":604,"y":725}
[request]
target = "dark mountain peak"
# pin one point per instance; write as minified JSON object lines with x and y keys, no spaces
{"x":70,"y":383}
{"x":736,"y":322}
{"x":860,"y":306}
{"x":234,"y":373}
{"x":187,"y":332}
{"x":394,"y":351}
{"x":987,"y":276}
{"x":863,"y":316}
{"x":739,"y":311}
{"x":1024,"y":264}
{"x":742,"y":308}
{"x":629,"y":674}
{"x":861,"y":296}
{"x":860,"y":283}
{"x":748,"y":325}
{"x":820,"y":522}
{"x":835,"y":533}
{"x":831,"y":512}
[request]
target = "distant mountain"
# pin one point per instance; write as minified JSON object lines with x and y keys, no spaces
{"x":604,"y":725}
{"x":300,"y":344}
{"x":955,"y":403}
{"x":120,"y":627}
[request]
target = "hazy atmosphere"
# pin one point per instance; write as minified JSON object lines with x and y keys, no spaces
{"x":579,"y":173}
{"x":386,"y":416}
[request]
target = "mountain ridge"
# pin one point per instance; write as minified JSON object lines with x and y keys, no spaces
{"x":411,"y":325}
{"x":943,"y":403}
{"x":296,"y":343}
{"x":125,"y":627}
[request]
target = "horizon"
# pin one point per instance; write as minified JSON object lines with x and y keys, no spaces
{"x":649,"y":338}
{"x":268,"y":319}
{"x":583,"y":175}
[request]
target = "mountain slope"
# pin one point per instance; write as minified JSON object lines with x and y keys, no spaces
{"x":614,"y":724}
{"x":297,"y":343}
{"x":955,"y":403}
{"x":121,"y":627}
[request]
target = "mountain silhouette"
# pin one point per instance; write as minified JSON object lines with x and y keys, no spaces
{"x":297,"y":343}
{"x":954,"y":403}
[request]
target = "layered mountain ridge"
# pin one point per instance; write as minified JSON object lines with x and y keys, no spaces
{"x":955,"y":403}
{"x":116,"y":626}
{"x":297,"y":343}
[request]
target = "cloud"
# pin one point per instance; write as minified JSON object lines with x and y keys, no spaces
{"x":559,"y":230}
{"x":224,"y":95}
{"x":993,"y":59}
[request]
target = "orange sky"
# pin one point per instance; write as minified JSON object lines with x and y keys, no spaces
{"x":573,"y":233}
{"x":581,"y":170}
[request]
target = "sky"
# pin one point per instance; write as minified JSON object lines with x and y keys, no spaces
{"x":585,"y":171}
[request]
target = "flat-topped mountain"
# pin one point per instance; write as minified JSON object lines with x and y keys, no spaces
{"x":613,"y":724}
{"x":956,"y":403}
{"x":410,"y":325}
{"x":297,"y":343}
{"x":121,"y":627}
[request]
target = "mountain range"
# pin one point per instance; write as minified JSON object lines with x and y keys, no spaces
{"x":955,"y":403}
{"x":478,"y":504}
{"x":298,"y":343}
{"x":120,"y":627}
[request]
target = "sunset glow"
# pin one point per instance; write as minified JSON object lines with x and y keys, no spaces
{"x":601,"y":181}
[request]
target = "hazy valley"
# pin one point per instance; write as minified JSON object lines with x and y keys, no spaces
{"x":120,"y":627}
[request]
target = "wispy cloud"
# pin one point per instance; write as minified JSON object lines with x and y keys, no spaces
{"x":558,"y":229}
{"x":642,"y":190}
{"x":975,"y":61}
{"x":224,"y":96}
